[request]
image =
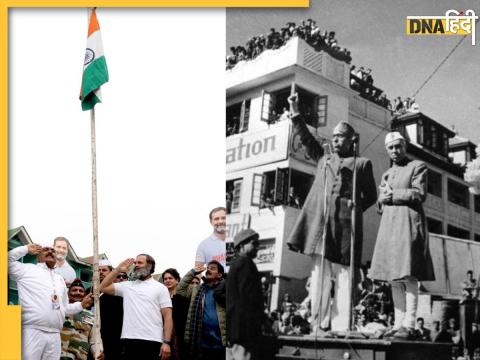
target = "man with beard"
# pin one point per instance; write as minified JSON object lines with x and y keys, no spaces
{"x":147,"y":310}
{"x":205,"y":330}
{"x":323,"y":228}
{"x":77,"y":335}
{"x":111,"y":314}
{"x":44,"y":300}
{"x":213,"y":247}
{"x":63,"y":268}
{"x":245,"y":309}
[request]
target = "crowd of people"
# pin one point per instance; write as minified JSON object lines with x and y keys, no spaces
{"x":306,"y":30}
{"x":175,"y":318}
{"x":361,"y":80}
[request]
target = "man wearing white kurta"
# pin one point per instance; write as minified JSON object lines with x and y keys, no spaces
{"x":43,"y":296}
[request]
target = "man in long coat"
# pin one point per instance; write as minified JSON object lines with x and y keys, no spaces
{"x":401,"y":253}
{"x":245,"y":308}
{"x":323,"y":228}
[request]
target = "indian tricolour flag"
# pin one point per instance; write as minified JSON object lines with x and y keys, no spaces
{"x":95,"y":72}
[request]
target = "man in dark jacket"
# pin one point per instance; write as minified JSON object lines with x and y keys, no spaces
{"x":324,"y":227}
{"x":205,"y":330}
{"x":244,"y":298}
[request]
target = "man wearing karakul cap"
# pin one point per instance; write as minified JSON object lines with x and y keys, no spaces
{"x":326,"y":215}
{"x":401,"y":254}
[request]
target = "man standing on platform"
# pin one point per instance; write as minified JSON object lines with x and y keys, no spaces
{"x":324,"y":227}
{"x":401,"y":254}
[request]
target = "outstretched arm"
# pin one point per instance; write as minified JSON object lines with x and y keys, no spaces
{"x":313,"y":148}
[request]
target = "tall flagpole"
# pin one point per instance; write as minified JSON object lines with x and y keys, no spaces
{"x":96,"y":275}
{"x":96,"y":282}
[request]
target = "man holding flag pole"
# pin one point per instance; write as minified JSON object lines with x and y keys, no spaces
{"x":95,"y":74}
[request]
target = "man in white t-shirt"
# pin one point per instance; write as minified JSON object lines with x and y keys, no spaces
{"x":147,"y":310}
{"x":213,"y":247}
{"x":63,"y":268}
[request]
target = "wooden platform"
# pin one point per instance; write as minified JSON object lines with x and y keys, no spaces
{"x":307,"y":347}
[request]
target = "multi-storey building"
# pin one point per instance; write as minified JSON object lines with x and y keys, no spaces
{"x":269,"y":174}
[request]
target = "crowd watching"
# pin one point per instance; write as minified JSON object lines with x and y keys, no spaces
{"x":374,"y":317}
{"x":361,"y":80}
{"x":306,"y":30}
{"x":142,"y":315}
{"x":180,"y":318}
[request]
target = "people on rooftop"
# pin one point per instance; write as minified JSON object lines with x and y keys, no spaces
{"x":306,"y":30}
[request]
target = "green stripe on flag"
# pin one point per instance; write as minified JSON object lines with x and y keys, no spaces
{"x":94,"y":76}
{"x":89,"y":102}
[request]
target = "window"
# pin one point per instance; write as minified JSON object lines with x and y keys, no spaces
{"x":476,"y":203}
{"x":434,"y":183}
{"x":322,"y":110}
{"x":233,"y":188}
{"x":420,"y":134}
{"x":458,"y":194}
{"x":434,"y":226}
{"x":454,"y":231}
{"x":238,"y":116}
{"x":477,"y":237}
{"x":313,"y":107}
{"x":280,"y":187}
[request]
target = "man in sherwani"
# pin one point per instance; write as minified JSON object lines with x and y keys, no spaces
{"x":401,"y":254}
{"x":324,"y":226}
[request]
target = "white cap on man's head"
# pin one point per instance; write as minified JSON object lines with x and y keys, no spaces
{"x":104,"y":262}
{"x":392,"y":136}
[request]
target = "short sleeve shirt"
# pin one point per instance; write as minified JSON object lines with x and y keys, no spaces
{"x":142,"y":301}
{"x":212,"y":248}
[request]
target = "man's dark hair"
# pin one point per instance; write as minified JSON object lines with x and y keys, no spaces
{"x":220,"y":208}
{"x":220,"y":268}
{"x":470,"y":272}
{"x":150,"y":260}
{"x":420,"y":318}
{"x":172,"y":272}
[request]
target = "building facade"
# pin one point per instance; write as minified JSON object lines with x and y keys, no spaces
{"x":269,"y":174}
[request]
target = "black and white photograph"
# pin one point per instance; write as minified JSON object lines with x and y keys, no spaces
{"x":352,"y":180}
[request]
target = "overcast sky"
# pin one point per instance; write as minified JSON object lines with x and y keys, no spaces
{"x":374,"y":32}
{"x":160,"y":130}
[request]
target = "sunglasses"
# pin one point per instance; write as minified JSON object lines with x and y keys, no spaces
{"x":122,"y":276}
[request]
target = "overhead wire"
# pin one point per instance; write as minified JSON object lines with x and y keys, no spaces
{"x":429,"y":77}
